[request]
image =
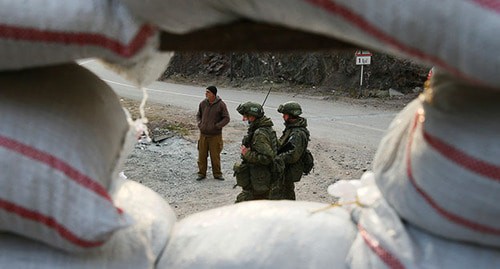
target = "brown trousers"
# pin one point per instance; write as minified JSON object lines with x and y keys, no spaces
{"x":213,"y":145}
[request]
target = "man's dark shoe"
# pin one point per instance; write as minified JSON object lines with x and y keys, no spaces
{"x":199,"y":178}
{"x":219,"y":177}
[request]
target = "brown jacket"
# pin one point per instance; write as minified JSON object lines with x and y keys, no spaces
{"x":212,"y":117}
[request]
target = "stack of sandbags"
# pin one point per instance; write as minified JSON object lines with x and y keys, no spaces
{"x":439,"y":164}
{"x":62,"y":204}
{"x":384,"y":240}
{"x":64,"y":137}
{"x":137,"y":246}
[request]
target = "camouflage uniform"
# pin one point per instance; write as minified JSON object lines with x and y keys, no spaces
{"x":255,"y":172}
{"x":292,"y":145}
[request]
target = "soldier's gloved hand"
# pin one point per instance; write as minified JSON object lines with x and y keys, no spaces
{"x":245,"y":141}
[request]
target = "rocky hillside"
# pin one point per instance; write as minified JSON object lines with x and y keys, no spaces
{"x":326,"y":72}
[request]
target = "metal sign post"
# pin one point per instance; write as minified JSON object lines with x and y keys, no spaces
{"x":362,"y":57}
{"x":361,"y":77}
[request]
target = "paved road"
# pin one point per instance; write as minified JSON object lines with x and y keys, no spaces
{"x":329,"y":121}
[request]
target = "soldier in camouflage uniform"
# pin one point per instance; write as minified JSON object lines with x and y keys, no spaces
{"x":292,"y":145}
{"x":258,"y":150}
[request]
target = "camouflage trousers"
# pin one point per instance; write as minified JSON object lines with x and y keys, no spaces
{"x":282,"y":190}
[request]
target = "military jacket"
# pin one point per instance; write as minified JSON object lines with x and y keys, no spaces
{"x":262,"y":141}
{"x":292,"y":145}
{"x":263,"y":144}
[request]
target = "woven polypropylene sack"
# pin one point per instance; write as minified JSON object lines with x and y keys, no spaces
{"x":459,"y":36}
{"x":40,"y":33}
{"x":138,"y":246}
{"x":262,"y":234}
{"x":62,"y":138}
{"x":456,"y":35}
{"x":438,"y":164}
{"x":385,"y":241}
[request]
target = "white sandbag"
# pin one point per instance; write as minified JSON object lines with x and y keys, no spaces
{"x":438,"y":165}
{"x":63,"y":137}
{"x":459,"y":36}
{"x":138,"y":246}
{"x":384,"y":241}
{"x":39,"y":33}
{"x":262,"y":234}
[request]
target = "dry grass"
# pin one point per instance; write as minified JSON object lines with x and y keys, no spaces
{"x":163,"y":118}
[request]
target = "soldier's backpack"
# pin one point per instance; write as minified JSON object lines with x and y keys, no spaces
{"x":307,"y":161}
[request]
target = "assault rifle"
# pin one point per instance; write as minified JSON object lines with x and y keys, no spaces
{"x":265,"y":99}
{"x":286,"y":147}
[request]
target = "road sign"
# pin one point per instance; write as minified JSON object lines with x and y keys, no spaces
{"x":362,"y":60}
{"x":363,"y":57}
{"x":362,"y":53}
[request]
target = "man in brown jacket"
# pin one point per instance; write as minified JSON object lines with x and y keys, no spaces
{"x":212,"y":116}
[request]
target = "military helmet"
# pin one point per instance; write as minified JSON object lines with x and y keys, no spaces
{"x":290,"y":108}
{"x":250,"y":108}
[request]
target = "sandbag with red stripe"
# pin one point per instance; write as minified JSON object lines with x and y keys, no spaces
{"x":460,"y":36}
{"x":39,"y":33}
{"x":438,"y":165}
{"x":62,"y":137}
{"x":385,"y":241}
{"x":138,"y":246}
